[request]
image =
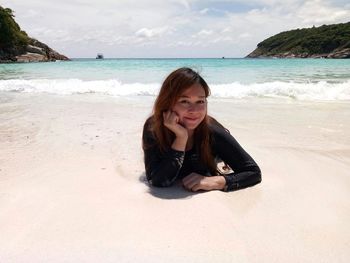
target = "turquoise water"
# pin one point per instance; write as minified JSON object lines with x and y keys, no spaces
{"x":295,"y":78}
{"x":215,"y":71}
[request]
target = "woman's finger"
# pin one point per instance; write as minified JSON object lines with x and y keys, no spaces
{"x":189,"y":186}
{"x":166,"y":114}
{"x":196,"y":188}
{"x":192,"y":180}
{"x":167,"y":118}
{"x":189,"y":178}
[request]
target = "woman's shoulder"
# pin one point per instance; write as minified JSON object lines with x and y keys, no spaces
{"x":217,"y":129}
{"x":148,"y":123}
{"x":147,"y":133}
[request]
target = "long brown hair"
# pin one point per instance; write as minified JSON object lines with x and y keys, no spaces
{"x":172,"y":88}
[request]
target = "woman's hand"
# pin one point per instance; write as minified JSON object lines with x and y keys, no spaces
{"x":171,"y":121}
{"x":194,"y":182}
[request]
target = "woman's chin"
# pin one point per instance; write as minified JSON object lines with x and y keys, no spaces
{"x":191,"y":126}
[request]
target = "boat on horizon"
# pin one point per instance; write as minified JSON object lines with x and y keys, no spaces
{"x":99,"y":56}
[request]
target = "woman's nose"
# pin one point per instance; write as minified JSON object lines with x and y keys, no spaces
{"x":193,"y":107}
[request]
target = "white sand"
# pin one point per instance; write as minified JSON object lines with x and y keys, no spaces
{"x":72,"y":185}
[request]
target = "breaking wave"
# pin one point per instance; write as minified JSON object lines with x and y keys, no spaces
{"x":321,"y":90}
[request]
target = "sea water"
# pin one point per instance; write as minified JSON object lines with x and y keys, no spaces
{"x":299,"y":79}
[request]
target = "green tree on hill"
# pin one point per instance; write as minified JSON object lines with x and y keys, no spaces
{"x":17,"y":46}
{"x":11,"y":35}
{"x":309,"y":41}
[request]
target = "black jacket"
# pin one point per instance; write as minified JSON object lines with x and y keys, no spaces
{"x":163,"y":169}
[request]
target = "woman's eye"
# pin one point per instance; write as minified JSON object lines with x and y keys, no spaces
{"x":201,"y":102}
{"x":184,"y":101}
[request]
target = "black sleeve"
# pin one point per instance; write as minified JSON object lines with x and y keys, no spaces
{"x":246,"y":171}
{"x":162,"y":168}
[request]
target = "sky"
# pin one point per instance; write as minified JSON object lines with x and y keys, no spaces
{"x":167,"y":28}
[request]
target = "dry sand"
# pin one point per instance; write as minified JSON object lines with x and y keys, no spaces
{"x":72,"y":185}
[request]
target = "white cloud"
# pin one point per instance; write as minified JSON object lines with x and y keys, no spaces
{"x":320,"y":12}
{"x":222,"y":39}
{"x":245,"y":35}
{"x":184,"y":3}
{"x":151,"y":33}
{"x":204,"y":11}
{"x":202,"y":33}
{"x":226,"y":30}
{"x":32,"y":13}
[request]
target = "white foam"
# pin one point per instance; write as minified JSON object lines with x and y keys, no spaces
{"x":300,"y":91}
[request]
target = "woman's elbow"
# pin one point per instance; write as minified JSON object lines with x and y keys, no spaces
{"x":257,"y":175}
{"x":254,"y":175}
{"x":157,"y":182}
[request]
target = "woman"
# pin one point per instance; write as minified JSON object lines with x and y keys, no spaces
{"x":181,"y":142}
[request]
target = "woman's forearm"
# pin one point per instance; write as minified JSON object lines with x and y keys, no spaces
{"x":179,"y":144}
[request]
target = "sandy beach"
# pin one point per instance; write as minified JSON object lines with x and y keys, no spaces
{"x":72,"y":185}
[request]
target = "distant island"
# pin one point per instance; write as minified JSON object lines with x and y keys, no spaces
{"x":327,"y":41}
{"x":17,"y":46}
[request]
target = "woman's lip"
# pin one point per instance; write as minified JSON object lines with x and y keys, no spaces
{"x":191,"y":119}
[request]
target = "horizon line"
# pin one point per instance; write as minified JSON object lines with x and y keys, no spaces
{"x":158,"y":58}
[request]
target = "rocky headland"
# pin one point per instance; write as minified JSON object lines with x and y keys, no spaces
{"x":327,"y":41}
{"x":17,"y":46}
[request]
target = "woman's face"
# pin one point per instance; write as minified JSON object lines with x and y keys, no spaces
{"x":191,"y":107}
